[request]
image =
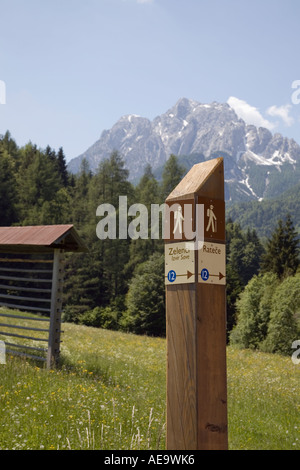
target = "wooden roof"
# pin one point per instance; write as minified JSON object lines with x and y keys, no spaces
{"x":195,"y":181}
{"x":41,"y":238}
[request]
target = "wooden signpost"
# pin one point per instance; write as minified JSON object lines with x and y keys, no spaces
{"x":195,"y":279}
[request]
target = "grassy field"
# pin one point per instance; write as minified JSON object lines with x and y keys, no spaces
{"x":109,"y":393}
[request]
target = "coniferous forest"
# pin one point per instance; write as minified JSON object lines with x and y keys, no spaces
{"x":119,"y":283}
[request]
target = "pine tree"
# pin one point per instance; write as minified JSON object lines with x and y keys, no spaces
{"x":147,"y":192}
{"x":79,"y":193}
{"x":108,"y":184}
{"x":37,"y":182}
{"x":146,"y":299}
{"x":83,"y":287}
{"x":233,"y":289}
{"x":253,"y":252}
{"x":8,"y":212}
{"x":282,"y":251}
{"x":9,"y":144}
{"x":62,"y":166}
{"x":244,"y":252}
{"x":50,"y":153}
{"x":172,"y":175}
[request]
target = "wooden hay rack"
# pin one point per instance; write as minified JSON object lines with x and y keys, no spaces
{"x":31,"y":281}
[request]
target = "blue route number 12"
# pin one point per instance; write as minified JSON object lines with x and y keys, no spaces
{"x":204,"y":274}
{"x":171,"y":276}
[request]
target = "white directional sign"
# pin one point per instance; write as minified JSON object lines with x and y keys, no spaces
{"x":179,"y":263}
{"x":212,"y":263}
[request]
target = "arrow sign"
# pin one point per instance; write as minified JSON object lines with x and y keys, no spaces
{"x":220,"y":276}
{"x":188,"y":274}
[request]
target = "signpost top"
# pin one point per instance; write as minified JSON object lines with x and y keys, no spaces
{"x":198,"y":181}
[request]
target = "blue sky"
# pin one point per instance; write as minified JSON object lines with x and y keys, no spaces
{"x":72,"y":68}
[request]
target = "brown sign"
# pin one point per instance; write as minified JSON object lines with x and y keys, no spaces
{"x":214,"y":219}
{"x":179,"y":221}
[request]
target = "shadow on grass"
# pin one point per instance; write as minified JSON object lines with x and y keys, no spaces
{"x":93,"y":371}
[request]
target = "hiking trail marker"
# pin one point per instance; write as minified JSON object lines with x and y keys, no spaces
{"x":212,"y":263}
{"x":195,"y":278}
{"x":179,"y":263}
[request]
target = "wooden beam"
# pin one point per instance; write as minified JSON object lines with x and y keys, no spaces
{"x":56,"y":307}
{"x":9,"y":325}
{"x":23,"y":260}
{"x":18,"y":297}
{"x":22,"y":346}
{"x":35,"y":271}
{"x":21,"y":317}
{"x":29,"y":356}
{"x":24,"y":279}
{"x":15,"y":335}
{"x":24,"y":289}
{"x":27,"y":308}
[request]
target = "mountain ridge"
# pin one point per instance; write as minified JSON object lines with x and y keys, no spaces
{"x":258,"y":164}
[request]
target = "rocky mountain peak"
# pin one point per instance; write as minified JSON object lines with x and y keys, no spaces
{"x":253,"y":156}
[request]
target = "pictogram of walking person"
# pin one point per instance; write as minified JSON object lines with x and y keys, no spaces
{"x":212,"y":219}
{"x":178,"y":218}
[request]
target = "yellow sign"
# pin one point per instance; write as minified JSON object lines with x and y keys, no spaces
{"x":179,"y":263}
{"x":212,"y":263}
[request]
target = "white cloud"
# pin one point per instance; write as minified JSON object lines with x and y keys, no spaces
{"x":282,"y":112}
{"x":249,"y":114}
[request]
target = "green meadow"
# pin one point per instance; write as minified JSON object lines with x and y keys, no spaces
{"x":109,"y":392}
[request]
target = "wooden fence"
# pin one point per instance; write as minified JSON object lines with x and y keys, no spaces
{"x":32,"y":283}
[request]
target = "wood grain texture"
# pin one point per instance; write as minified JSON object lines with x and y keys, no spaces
{"x":56,"y":308}
{"x":181,"y":371}
{"x":211,"y":367}
{"x":195,"y":181}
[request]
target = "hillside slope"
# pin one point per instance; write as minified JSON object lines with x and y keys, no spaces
{"x":264,"y":215}
{"x":110,"y":394}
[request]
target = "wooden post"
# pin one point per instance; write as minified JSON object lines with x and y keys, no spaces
{"x":56,"y":307}
{"x":196,"y":318}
